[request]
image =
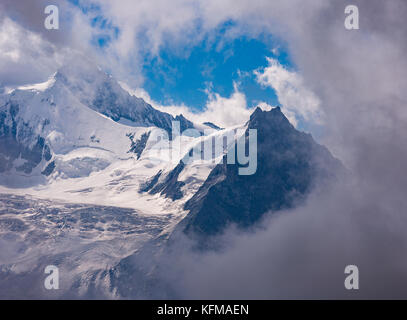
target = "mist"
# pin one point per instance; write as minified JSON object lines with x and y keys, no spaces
{"x":302,"y":253}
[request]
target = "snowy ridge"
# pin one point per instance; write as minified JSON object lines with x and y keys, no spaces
{"x":90,"y":123}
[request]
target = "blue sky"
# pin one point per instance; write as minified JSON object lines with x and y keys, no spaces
{"x":216,"y":63}
{"x":174,"y":78}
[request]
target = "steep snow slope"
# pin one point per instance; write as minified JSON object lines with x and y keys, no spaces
{"x":82,"y":138}
{"x":66,"y":126}
{"x":75,"y":154}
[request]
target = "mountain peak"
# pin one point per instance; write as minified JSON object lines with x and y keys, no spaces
{"x":101,"y":92}
{"x":81,"y":74}
{"x":258,"y":111}
{"x":289,"y":165}
{"x":273,"y":120}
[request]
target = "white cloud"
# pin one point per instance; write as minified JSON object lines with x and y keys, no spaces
{"x":222,"y":111}
{"x":24,"y":56}
{"x":227,"y":111}
{"x":298,"y":101}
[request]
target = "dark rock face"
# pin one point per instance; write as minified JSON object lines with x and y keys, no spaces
{"x":170,"y":187}
{"x":212,"y":125}
{"x":116,"y":104}
{"x":184,"y":122}
{"x":139,"y":145}
{"x":49,"y":169}
{"x":289,"y":165}
{"x":148,"y":185}
{"x":18,"y":140}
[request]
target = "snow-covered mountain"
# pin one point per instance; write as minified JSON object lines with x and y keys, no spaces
{"x":84,"y":186}
{"x":78,"y":131}
{"x":290,"y":164}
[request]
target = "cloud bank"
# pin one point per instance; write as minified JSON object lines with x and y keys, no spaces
{"x":359,"y":78}
{"x":293,"y":95}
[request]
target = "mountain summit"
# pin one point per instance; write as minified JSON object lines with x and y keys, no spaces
{"x":82,"y":138}
{"x":290,"y":163}
{"x":102,"y":93}
{"x":70,"y":110}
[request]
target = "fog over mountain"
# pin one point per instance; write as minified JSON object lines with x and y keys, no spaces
{"x":79,"y":189}
{"x":79,"y":135}
{"x":303,"y":254}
